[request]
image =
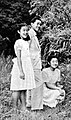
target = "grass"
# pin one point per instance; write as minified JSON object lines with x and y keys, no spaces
{"x":7,"y":112}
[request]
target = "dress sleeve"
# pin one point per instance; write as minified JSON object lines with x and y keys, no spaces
{"x":18,"y":46}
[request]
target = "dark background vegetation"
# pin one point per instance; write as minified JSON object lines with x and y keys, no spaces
{"x":55,"y":34}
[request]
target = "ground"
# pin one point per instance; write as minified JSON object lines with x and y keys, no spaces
{"x":7,"y":112}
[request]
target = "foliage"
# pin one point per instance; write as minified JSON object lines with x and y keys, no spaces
{"x":56,"y":15}
{"x":12,"y":13}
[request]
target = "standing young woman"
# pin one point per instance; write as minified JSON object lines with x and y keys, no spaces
{"x":22,"y":78}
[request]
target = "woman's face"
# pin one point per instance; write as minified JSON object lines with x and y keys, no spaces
{"x":24,"y":31}
{"x":54,"y":62}
{"x":36,"y":25}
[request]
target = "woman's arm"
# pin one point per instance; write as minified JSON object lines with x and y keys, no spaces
{"x":58,"y":83}
{"x":51,"y":86}
{"x":22,"y":76}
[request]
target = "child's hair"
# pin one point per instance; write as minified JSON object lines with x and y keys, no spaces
{"x":36,"y":18}
{"x":51,"y":55}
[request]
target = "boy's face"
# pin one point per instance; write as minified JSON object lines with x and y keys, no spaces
{"x":54,"y":62}
{"x":24,"y":31}
{"x":36,"y":25}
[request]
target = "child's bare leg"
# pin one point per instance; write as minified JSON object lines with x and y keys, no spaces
{"x":23,"y":100}
{"x":15,"y":97}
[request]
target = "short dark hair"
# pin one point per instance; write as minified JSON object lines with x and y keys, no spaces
{"x":36,"y":18}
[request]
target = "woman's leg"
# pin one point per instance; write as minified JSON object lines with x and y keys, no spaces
{"x":28,"y":98}
{"x":23,"y":99}
{"x":15,"y":97}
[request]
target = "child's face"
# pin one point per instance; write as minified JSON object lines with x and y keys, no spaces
{"x":24,"y":31}
{"x":36,"y":25}
{"x":54,"y":62}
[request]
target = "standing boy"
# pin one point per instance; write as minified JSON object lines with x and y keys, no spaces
{"x":35,"y":52}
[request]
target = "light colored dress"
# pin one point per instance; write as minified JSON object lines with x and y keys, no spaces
{"x":35,"y":52}
{"x":16,"y":82}
{"x":51,"y":97}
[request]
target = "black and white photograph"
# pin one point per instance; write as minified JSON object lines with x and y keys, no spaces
{"x":35,"y":59}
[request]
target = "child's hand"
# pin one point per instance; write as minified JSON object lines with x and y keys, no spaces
{"x":22,"y":76}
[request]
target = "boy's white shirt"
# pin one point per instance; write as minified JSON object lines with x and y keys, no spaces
{"x":32,"y":35}
{"x":35,"y":49}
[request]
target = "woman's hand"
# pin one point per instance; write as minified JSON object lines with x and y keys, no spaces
{"x":61,"y":86}
{"x":58,"y":85}
{"x":22,"y":75}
